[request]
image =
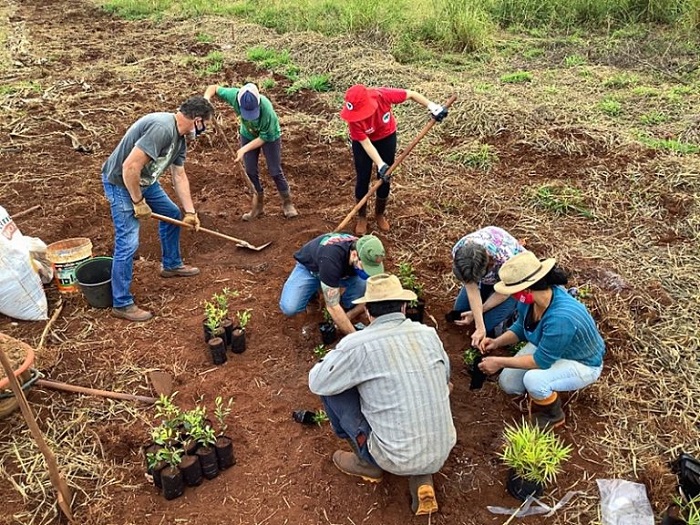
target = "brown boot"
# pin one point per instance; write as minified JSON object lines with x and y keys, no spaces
{"x":131,"y":313}
{"x":361,"y":221}
{"x":382,"y":223}
{"x":547,"y":413}
{"x":256,"y":208}
{"x":182,"y":271}
{"x":423,"y":499}
{"x":349,"y":463}
{"x":287,"y":207}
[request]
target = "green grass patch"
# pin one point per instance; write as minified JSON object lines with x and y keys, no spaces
{"x":623,"y":80}
{"x":273,"y":60}
{"x":610,"y":107}
{"x":483,"y":158}
{"x":559,"y":199}
{"x":670,"y":145}
{"x":268,"y":83}
{"x":212,"y":64}
{"x":205,"y":38}
{"x":516,"y":78}
{"x":653,"y":118}
{"x":19,"y":87}
{"x":574,"y":60}
{"x":319,"y":83}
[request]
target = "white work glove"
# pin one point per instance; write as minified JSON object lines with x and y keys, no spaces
{"x":437,"y":111}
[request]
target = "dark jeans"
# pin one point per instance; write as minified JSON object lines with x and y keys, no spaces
{"x":273,"y":157}
{"x":386,"y":148}
{"x":493,"y":317}
{"x":346,"y":418}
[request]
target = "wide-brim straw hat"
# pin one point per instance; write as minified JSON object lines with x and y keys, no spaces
{"x":521,"y":272}
{"x":385,"y":287}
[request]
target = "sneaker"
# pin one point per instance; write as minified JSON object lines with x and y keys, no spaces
{"x":423,"y":499}
{"x":182,"y":271}
{"x":131,"y":313}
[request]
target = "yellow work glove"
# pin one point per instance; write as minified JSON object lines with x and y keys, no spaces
{"x":142,"y":210}
{"x":192,"y":219}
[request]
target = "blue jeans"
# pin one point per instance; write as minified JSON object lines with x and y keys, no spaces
{"x":126,"y":235}
{"x":564,"y":375}
{"x":347,"y":420}
{"x":301,"y":286}
{"x":494,"y":316}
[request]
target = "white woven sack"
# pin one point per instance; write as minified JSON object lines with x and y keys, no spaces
{"x":21,"y":292}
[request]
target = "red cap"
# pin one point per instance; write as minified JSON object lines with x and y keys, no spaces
{"x":358,"y":104}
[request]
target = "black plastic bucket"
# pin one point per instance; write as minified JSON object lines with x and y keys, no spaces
{"x":94,"y":278}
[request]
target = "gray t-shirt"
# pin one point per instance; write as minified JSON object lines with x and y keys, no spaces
{"x":156,"y":135}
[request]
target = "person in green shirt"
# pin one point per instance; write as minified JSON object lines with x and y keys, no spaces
{"x":260,"y":130}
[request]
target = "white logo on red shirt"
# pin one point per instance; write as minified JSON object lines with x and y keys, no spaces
{"x":369,"y":131}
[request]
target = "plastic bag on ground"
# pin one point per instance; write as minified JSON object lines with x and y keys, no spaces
{"x":21,"y":291}
{"x":624,"y":503}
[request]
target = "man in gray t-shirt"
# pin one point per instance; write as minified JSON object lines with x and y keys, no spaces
{"x":130,"y":175}
{"x":386,"y":391}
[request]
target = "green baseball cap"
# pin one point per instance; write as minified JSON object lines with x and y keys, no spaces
{"x":371,"y":252}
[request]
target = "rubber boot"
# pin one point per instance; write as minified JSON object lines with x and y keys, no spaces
{"x":380,"y":206}
{"x":256,"y":207}
{"x":423,"y":500}
{"x":361,"y":221}
{"x":352,"y":464}
{"x":547,"y":413}
{"x":287,"y":207}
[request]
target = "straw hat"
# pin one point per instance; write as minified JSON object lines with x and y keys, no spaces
{"x":521,"y":272}
{"x":385,"y":287}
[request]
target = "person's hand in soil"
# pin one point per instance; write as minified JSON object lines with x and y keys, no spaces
{"x":478,"y":336}
{"x":466,"y":320}
{"x":490,"y":365}
{"x":487,"y":345}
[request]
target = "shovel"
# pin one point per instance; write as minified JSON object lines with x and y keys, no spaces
{"x":239,"y":242}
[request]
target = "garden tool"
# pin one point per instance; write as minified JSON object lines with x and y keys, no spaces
{"x":239,"y":242}
{"x":66,"y":387}
{"x":162,"y":382}
{"x":399,"y":160}
{"x":246,"y":179}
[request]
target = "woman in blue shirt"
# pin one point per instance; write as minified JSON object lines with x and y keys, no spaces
{"x":564,"y":349}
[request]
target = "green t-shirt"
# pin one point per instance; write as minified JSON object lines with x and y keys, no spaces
{"x":267,"y":125}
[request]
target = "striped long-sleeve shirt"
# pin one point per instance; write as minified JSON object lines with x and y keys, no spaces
{"x":566,"y":331}
{"x":401,"y":372}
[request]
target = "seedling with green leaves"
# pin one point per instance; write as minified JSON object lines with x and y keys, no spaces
{"x":535,"y":454}
{"x":243,"y":318}
{"x":204,"y":435}
{"x":320,"y":351}
{"x":409,"y":280}
{"x":221,"y":412}
{"x":689,"y":510}
{"x":213,"y":316}
{"x":170,"y":455}
{"x":470,"y":355}
{"x":167,"y":411}
{"x":327,"y":317}
{"x":222,"y":300}
{"x":320,"y":417}
{"x":517,"y":78}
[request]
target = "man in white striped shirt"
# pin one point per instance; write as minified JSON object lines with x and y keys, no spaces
{"x":386,"y":391}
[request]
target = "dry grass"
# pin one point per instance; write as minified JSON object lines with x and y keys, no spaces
{"x":639,"y":257}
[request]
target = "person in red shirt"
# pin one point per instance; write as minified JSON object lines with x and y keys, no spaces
{"x":373,"y":133}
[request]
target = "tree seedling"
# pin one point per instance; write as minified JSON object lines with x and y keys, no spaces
{"x":213,"y":315}
{"x":320,"y":417}
{"x":409,"y":280}
{"x":469,"y":355}
{"x":221,"y":412}
{"x":243,"y":318}
{"x":167,"y":411}
{"x":320,"y":351}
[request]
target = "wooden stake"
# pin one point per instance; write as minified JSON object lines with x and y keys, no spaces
{"x":63,"y":493}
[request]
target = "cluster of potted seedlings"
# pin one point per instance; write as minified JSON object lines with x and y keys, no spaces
{"x":185,"y":449}
{"x":534,"y":457}
{"x":221,"y":333}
